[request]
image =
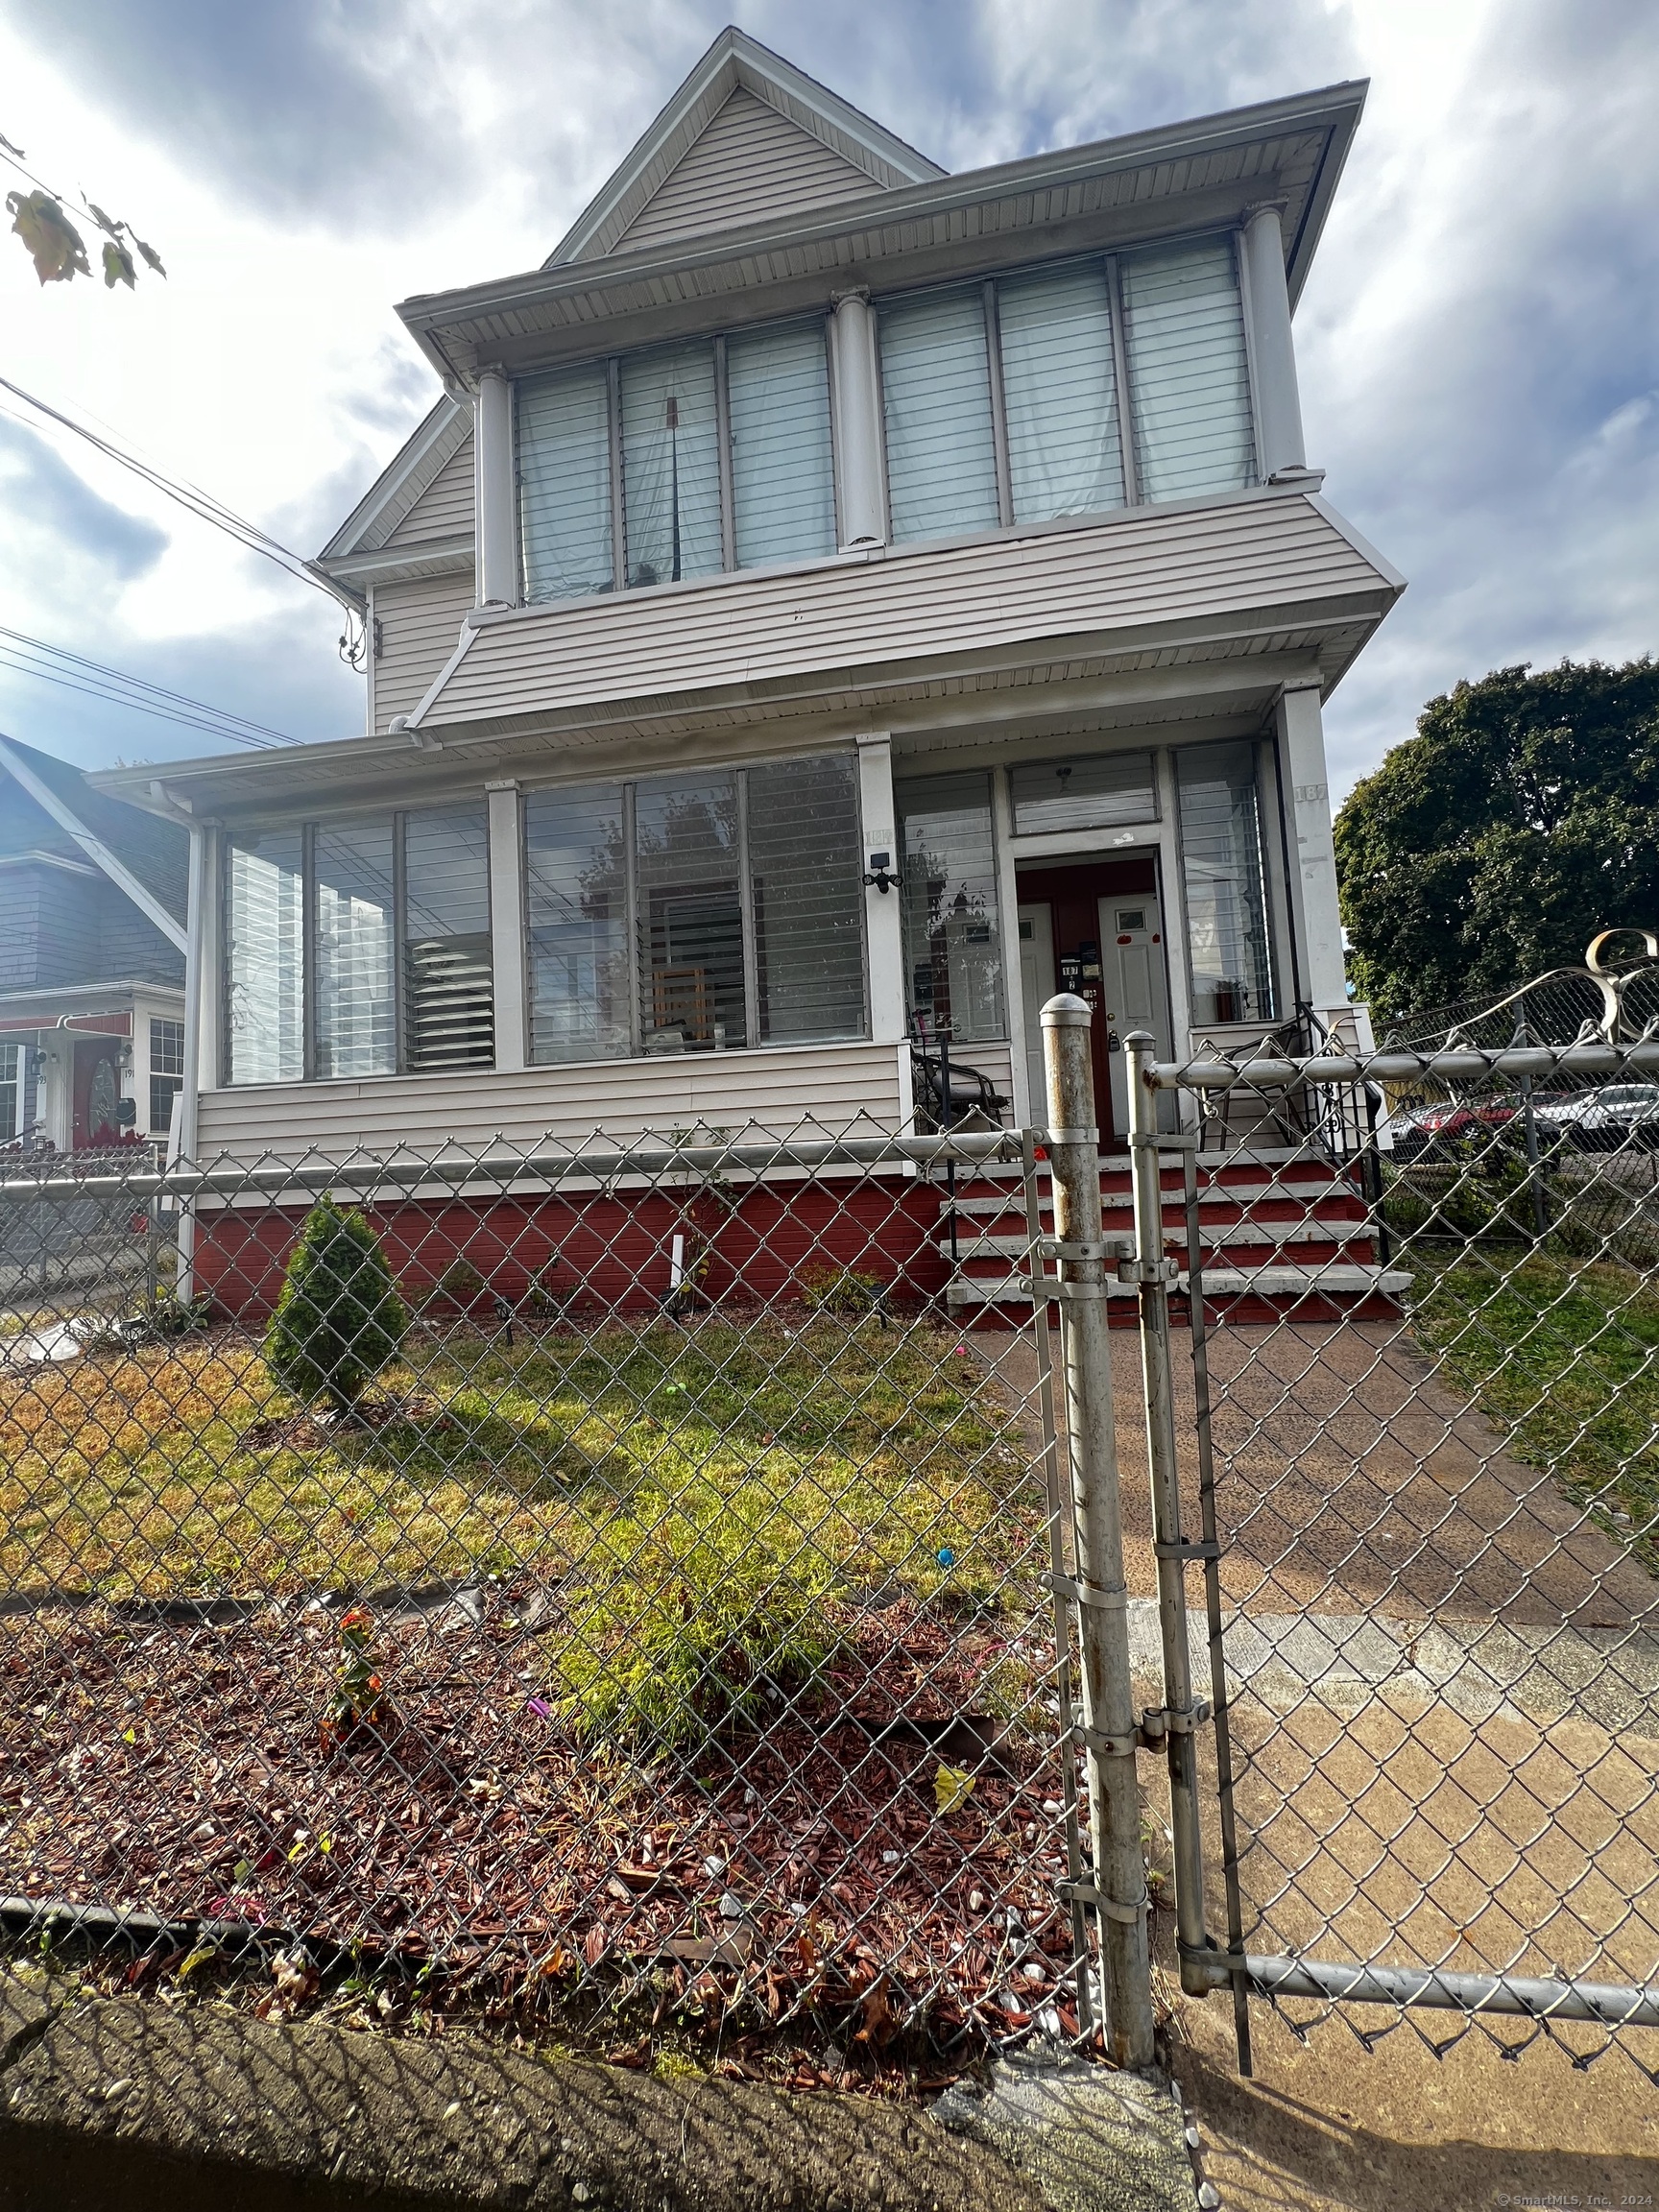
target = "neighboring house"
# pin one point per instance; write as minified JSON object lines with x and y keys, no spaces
{"x":92,"y":936}
{"x":813,"y":520}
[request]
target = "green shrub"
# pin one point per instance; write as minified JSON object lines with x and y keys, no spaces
{"x":1473,"y":1202}
{"x":339,"y":1321}
{"x":843,"y":1291}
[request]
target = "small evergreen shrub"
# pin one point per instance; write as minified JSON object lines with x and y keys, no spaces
{"x":339,"y":1322}
{"x":845,"y":1291}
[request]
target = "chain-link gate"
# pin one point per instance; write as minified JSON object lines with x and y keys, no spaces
{"x":605,"y":1580}
{"x":1413,"y":1426}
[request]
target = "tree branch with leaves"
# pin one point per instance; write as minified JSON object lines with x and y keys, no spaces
{"x":54,"y":243}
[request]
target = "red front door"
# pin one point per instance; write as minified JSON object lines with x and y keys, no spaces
{"x":1073,"y":892}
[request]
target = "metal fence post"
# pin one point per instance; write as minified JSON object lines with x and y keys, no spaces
{"x":1120,"y":1887}
{"x":1172,"y":1550}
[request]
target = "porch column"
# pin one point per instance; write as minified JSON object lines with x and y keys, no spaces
{"x":857,"y":424}
{"x":57,"y":1088}
{"x":506,"y":928}
{"x":496,"y":538}
{"x":1304,"y":795}
{"x":135,"y":1076}
{"x":883,"y":910}
{"x":1272,"y":350}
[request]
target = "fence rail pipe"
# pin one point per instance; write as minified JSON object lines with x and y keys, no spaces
{"x":1181,"y":1746}
{"x":1459,"y":1064}
{"x":1613,"y":2005}
{"x":1103,"y":1623}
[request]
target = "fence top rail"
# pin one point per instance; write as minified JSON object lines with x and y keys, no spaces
{"x":500,"y":1169}
{"x":1452,"y":1064}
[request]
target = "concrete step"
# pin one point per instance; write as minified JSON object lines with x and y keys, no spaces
{"x":1340,"y":1279}
{"x":1218,"y":1236}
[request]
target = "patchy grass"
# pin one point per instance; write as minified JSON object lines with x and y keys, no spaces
{"x":1565,"y":1358}
{"x":851,"y":1453}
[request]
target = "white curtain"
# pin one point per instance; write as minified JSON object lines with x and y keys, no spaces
{"x":936,"y":394}
{"x":564,"y":431}
{"x":782,"y":488}
{"x":1064,"y":456}
{"x":671,"y":465}
{"x":1183,"y":333}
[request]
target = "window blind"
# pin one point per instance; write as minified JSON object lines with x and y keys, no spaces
{"x":782,"y":486}
{"x":563,"y":441}
{"x":448,"y":977}
{"x":1183,"y":335}
{"x":1221,"y":863}
{"x":1064,"y":456}
{"x":671,"y":465}
{"x":951,"y":939}
{"x":264,"y":965}
{"x":690,"y":915}
{"x":806,"y":882}
{"x":355,"y":986}
{"x":936,"y":401}
{"x":577,"y":888}
{"x":1091,"y":792}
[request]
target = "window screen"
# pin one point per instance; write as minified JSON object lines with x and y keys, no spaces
{"x":671,"y":465}
{"x":1221,"y":861}
{"x":448,"y":981}
{"x":563,"y":430}
{"x":264,"y":958}
{"x":1184,"y":334}
{"x":782,"y":487}
{"x":577,"y":888}
{"x":1059,"y":388}
{"x":951,"y":939}
{"x":806,"y":885}
{"x":936,"y":396}
{"x":690,"y":916}
{"x":355,"y":986}
{"x":166,"y":1073}
{"x":1090,"y":793}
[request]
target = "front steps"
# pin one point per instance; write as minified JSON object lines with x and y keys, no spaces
{"x":1282,"y":1230}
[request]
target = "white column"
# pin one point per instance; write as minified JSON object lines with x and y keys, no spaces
{"x":57,"y":1081}
{"x":496,"y":538}
{"x":883,"y":910}
{"x":1305,"y":794}
{"x":1272,"y":350}
{"x":507,"y":938}
{"x":859,"y":424}
{"x":135,"y":1076}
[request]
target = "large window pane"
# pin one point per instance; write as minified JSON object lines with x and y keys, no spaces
{"x":577,"y":899}
{"x":166,"y":1073}
{"x":356,"y":1004}
{"x":806,"y":879}
{"x":1221,"y":861}
{"x":264,"y":966}
{"x":448,"y":982}
{"x":783,"y":488}
{"x":936,"y":394}
{"x":952,"y":944}
{"x":1090,"y":793}
{"x":690,"y":919}
{"x":1183,"y":332}
{"x":1064,"y":456}
{"x":564,"y":431}
{"x":671,"y":465}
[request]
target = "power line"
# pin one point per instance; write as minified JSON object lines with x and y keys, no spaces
{"x":98,"y":682}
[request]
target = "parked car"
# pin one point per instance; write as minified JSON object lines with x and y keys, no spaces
{"x":1441,"y":1124}
{"x":1606,"y":1119}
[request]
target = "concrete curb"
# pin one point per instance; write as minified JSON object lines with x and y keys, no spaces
{"x":127,"y":2101}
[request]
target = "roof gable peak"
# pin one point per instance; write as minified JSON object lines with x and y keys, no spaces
{"x":873,"y":159}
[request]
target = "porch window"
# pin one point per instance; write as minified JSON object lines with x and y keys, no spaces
{"x":1183,"y":339}
{"x":265,"y":958}
{"x":1227,"y":941}
{"x":564,"y":436}
{"x":1092,"y":792}
{"x":166,"y":1073}
{"x":11,"y":1090}
{"x":936,"y":398}
{"x":449,"y":976}
{"x":952,"y":938}
{"x":696,"y":913}
{"x":354,"y":955}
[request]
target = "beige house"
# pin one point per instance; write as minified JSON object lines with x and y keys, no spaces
{"x":829,"y":600}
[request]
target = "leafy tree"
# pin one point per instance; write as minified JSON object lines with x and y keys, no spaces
{"x":1520,"y":820}
{"x":339,"y":1321}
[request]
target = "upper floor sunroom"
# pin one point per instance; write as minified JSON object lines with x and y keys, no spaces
{"x":780,"y":336}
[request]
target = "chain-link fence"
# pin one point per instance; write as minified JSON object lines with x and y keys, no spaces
{"x":605,"y":1579}
{"x":1426,"y":1445}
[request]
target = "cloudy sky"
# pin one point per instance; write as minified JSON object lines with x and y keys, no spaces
{"x":1479,"y":365}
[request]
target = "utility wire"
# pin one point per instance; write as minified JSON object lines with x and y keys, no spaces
{"x":133,"y":692}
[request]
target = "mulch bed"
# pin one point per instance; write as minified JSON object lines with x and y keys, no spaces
{"x":183,"y":1769}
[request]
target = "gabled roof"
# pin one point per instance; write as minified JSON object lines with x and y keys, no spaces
{"x":411,"y":472}
{"x":841,"y":151}
{"x":53,"y":807}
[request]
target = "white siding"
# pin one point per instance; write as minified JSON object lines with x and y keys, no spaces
{"x":749,"y":162}
{"x":1145,"y":569}
{"x":420,"y":625}
{"x":444,"y":508}
{"x":774,"y":1089}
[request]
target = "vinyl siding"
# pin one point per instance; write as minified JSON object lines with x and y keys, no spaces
{"x":130,"y":944}
{"x":20,"y":927}
{"x":444,"y":508}
{"x":774,"y":1089}
{"x":420,"y":626}
{"x":68,"y":944}
{"x":749,"y":162}
{"x":1143,"y":570}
